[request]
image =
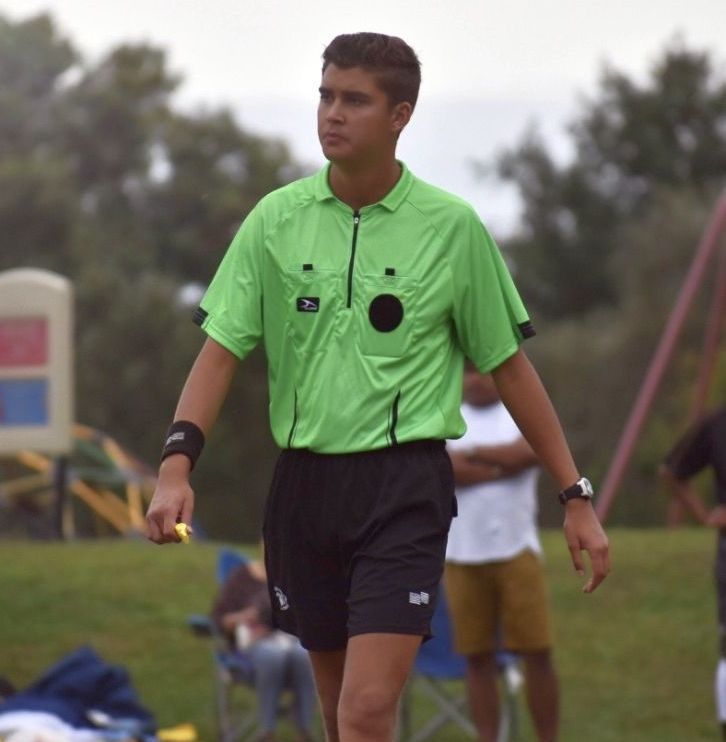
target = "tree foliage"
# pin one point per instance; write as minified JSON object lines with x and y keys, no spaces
{"x":630,"y":141}
{"x":602,"y":251}
{"x":103,"y":181}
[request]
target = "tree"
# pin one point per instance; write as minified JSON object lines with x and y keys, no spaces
{"x":215,"y":173}
{"x":601,"y":253}
{"x":593,"y":366}
{"x":629,"y":142}
{"x":36,"y":192}
{"x":103,"y":181}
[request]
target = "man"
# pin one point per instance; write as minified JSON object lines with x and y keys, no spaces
{"x":704,"y":446}
{"x":494,"y":576}
{"x":368,"y":288}
{"x":242,"y":612}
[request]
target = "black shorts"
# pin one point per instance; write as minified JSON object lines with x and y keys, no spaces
{"x":355,"y":543}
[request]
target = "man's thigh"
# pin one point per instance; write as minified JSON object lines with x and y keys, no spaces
{"x":525,"y":618}
{"x":471,"y":593}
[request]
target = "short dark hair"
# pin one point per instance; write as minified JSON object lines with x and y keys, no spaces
{"x":391,"y":59}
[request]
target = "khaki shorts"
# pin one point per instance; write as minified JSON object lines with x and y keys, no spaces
{"x":508,"y":597}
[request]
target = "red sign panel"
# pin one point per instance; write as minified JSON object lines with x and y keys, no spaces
{"x":23,"y":341}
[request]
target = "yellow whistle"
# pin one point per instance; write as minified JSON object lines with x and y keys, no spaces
{"x":182,"y":530}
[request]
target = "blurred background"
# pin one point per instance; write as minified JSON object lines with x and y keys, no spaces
{"x":135,"y":137}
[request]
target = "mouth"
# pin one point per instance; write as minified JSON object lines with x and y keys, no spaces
{"x":332,"y":137}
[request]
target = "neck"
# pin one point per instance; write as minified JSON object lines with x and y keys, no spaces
{"x":362,"y":186}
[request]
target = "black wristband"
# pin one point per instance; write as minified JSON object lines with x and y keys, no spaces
{"x":184,"y":437}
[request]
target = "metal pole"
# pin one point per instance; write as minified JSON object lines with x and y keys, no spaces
{"x":661,"y":358}
{"x":60,"y":489}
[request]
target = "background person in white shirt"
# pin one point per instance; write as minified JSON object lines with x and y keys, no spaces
{"x":494,"y":577}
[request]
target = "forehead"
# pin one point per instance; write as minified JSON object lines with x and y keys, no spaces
{"x":351,"y":78}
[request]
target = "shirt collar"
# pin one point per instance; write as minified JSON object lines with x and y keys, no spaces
{"x":391,"y":201}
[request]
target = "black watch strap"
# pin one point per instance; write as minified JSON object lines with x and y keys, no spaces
{"x":582,"y":489}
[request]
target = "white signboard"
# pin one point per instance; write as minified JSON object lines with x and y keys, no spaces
{"x":36,"y":362}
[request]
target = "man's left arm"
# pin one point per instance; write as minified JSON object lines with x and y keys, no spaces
{"x":524,"y":395}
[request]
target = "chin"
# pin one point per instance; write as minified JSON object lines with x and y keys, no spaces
{"x":335,"y":157}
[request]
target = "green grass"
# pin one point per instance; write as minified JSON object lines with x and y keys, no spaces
{"x":635,"y":659}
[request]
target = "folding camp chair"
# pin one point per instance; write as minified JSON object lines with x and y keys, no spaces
{"x":236,"y":720}
{"x":435,"y":672}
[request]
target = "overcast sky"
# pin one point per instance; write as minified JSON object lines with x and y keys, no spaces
{"x":489,"y":68}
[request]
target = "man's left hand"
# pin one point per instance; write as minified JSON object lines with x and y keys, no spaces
{"x":584,"y":532}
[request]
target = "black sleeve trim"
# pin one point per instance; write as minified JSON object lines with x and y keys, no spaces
{"x":527,"y":329}
{"x":199,"y":316}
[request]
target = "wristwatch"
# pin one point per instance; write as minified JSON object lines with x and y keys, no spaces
{"x":582,"y":489}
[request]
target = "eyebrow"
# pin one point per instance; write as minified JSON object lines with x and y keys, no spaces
{"x":347,"y":93}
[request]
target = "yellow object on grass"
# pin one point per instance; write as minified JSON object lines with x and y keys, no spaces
{"x":179,"y":733}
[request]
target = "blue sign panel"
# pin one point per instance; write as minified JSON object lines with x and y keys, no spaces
{"x":23,"y":402}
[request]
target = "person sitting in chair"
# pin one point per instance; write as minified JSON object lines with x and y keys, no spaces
{"x":242,"y":612}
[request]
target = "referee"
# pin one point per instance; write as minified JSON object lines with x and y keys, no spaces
{"x":368,"y":289}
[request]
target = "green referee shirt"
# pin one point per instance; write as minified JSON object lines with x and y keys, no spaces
{"x":366,"y":317}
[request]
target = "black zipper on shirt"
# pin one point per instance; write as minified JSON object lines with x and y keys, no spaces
{"x":356,"y":221}
{"x":294,"y":423}
{"x":394,"y":419}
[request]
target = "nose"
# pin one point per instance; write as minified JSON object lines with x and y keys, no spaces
{"x":333,"y":112}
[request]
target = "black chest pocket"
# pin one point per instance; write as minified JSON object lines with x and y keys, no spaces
{"x":385,"y":314}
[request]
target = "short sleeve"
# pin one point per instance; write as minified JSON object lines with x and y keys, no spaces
{"x":490,"y":318}
{"x":231,"y":309}
{"x":692,"y":453}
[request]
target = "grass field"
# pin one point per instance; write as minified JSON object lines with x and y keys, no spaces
{"x":635,"y":659}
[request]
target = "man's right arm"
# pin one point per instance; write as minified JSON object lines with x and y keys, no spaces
{"x":200,"y":402}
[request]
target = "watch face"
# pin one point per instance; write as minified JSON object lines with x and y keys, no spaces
{"x":586,"y":486}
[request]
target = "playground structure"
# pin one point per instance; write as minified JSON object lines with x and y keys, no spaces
{"x":100,"y":473}
{"x":707,"y":250}
{"x":48,"y":464}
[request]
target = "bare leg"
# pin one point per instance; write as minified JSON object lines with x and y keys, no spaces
{"x":376,"y":668}
{"x":542,"y":694}
{"x":481,"y":683}
{"x":328,"y":671}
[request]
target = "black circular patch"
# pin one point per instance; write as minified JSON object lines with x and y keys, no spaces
{"x":385,"y":312}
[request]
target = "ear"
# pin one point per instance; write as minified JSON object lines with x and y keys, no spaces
{"x":400,"y":116}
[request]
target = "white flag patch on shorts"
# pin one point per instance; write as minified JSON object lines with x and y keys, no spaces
{"x":418,"y":598}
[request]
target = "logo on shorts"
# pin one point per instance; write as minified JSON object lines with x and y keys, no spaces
{"x":282,"y":599}
{"x":418,"y":598}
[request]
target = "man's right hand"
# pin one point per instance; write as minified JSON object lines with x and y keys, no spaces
{"x":173,"y":500}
